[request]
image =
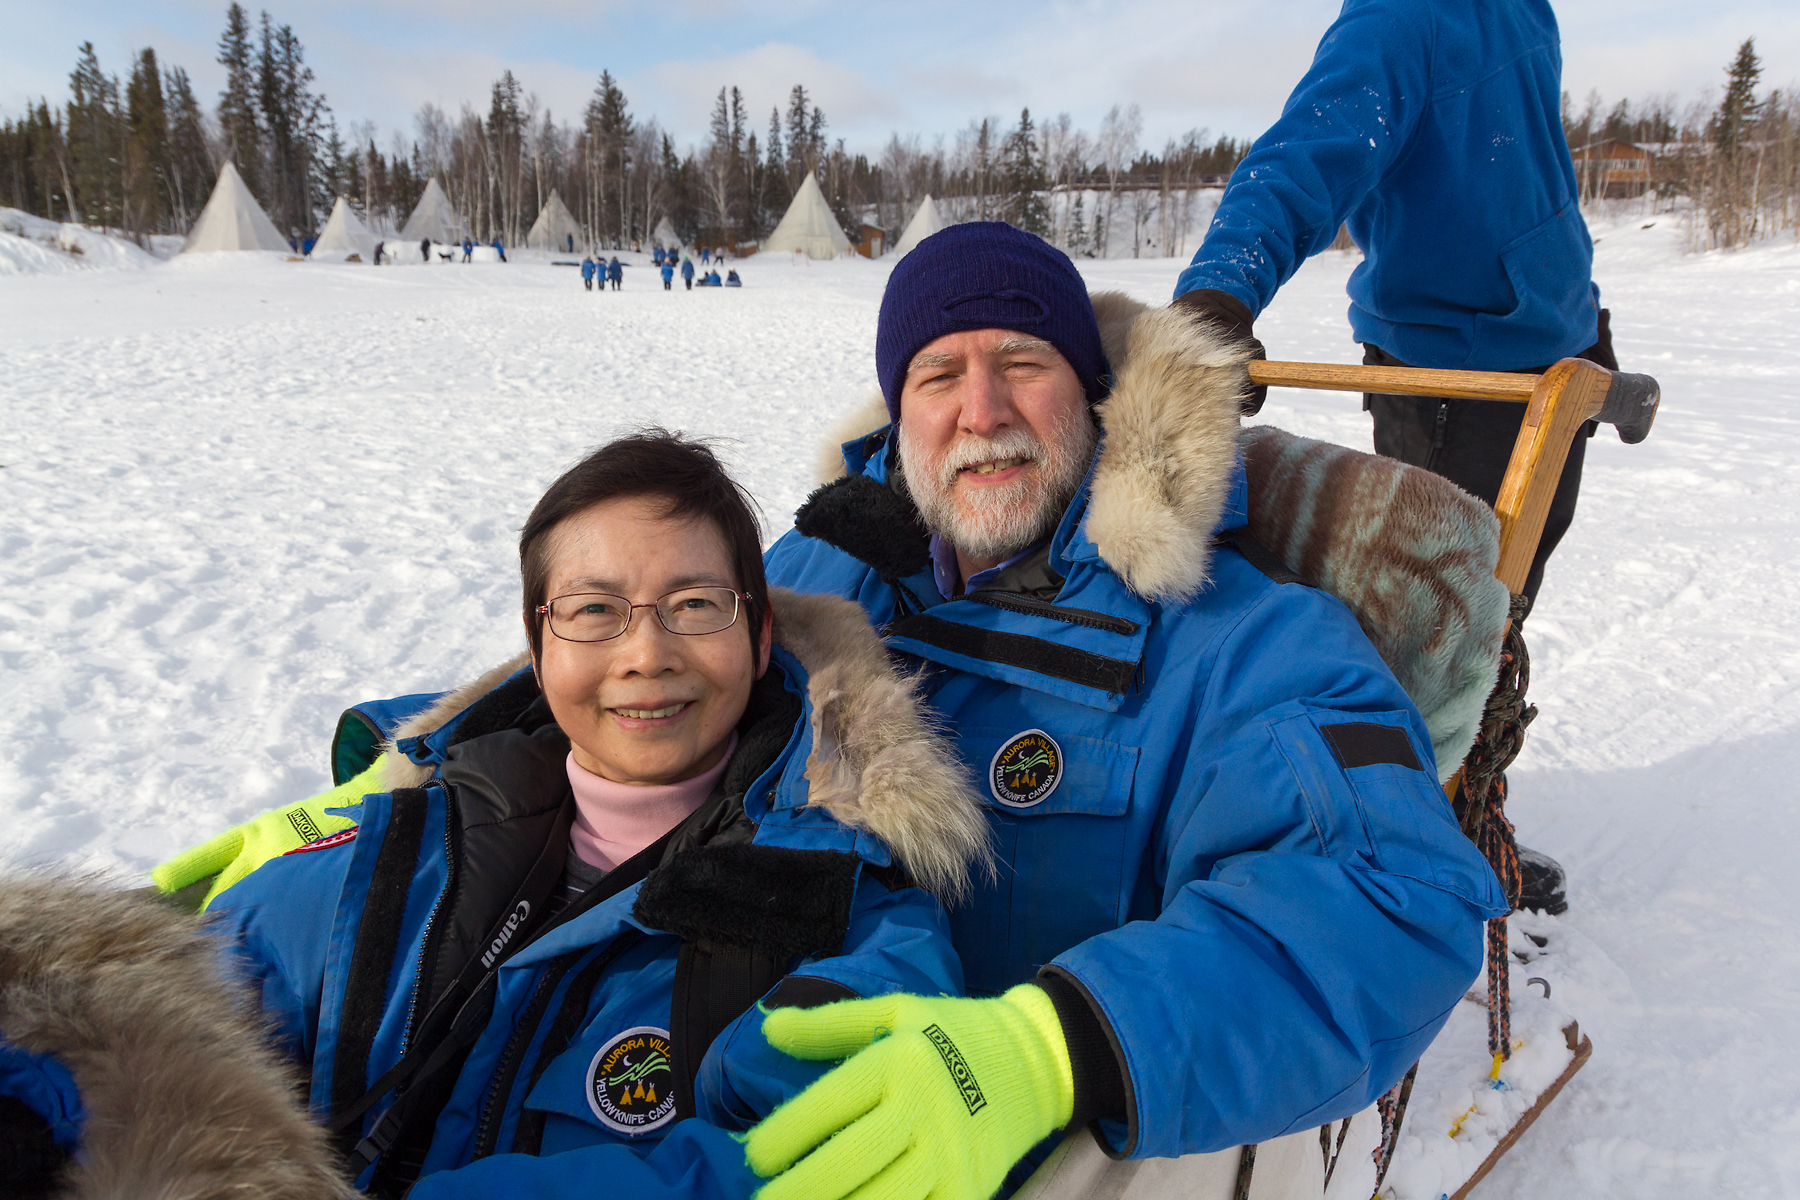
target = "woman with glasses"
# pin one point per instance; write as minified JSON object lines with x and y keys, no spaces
{"x":522,"y":951}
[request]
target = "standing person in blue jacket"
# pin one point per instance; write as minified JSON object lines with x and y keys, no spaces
{"x":687,"y":272}
{"x":525,"y":948}
{"x":1434,"y":133}
{"x":656,"y":254}
{"x":1227,"y":869}
{"x":500,"y":249}
{"x":615,"y":271}
{"x":468,"y":249}
{"x":587,"y":275}
{"x":668,"y":275}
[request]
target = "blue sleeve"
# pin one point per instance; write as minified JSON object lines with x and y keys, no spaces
{"x":278,"y":922}
{"x":899,"y":941}
{"x":696,"y":1161}
{"x":1346,"y":123}
{"x":1318,"y":921}
{"x":44,"y":1085}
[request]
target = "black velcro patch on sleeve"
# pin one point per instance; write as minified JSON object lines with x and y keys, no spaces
{"x":807,"y":991}
{"x":784,"y":902}
{"x":1366,"y":744}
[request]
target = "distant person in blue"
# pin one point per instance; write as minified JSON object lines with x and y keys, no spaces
{"x":687,"y":272}
{"x":656,"y":254}
{"x":468,"y":250}
{"x":668,"y":274}
{"x":499,"y":249}
{"x":587,"y":274}
{"x":1434,"y":133}
{"x":615,"y":271}
{"x":732,"y":280}
{"x":705,"y":254}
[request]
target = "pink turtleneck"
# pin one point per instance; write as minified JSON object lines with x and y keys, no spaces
{"x":613,"y":821}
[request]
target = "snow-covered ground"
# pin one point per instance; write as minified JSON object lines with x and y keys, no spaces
{"x":237,"y":494}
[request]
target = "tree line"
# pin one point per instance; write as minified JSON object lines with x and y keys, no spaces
{"x":1730,"y":162}
{"x":141,"y":155}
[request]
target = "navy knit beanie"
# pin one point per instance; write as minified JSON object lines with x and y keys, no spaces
{"x":986,"y":275}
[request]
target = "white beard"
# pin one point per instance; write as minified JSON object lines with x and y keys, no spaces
{"x":1005,"y":519}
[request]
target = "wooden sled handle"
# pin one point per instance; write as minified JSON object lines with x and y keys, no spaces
{"x":1628,"y":401}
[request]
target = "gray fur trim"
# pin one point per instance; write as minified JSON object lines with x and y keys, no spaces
{"x":1410,"y":553}
{"x":184,"y":1097}
{"x":877,"y":764}
{"x":1170,"y":429}
{"x":865,"y":418}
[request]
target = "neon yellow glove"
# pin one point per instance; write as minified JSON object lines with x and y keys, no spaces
{"x":939,"y":1097}
{"x":240,"y":850}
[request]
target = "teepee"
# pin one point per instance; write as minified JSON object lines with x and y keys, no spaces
{"x":344,"y":233}
{"x":233,"y":220}
{"x":665,"y":235}
{"x":433,"y":218}
{"x":925,"y":222}
{"x":554,"y":227}
{"x":809,"y":225}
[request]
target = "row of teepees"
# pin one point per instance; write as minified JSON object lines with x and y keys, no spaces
{"x":233,"y":220}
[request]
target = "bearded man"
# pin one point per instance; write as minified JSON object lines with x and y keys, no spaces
{"x":1230,"y":902}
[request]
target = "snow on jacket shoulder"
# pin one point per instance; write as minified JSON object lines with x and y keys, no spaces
{"x":1213,"y":804}
{"x":1434,"y":131}
{"x":798,"y":875}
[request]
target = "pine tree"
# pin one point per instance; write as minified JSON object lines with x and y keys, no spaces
{"x":1078,"y":233}
{"x":1739,"y":106}
{"x":292,"y":117}
{"x":240,"y":133}
{"x":1026,"y":181}
{"x":506,"y":140}
{"x":191,"y":168}
{"x":777,"y":192}
{"x":96,"y":142}
{"x":146,"y":193}
{"x":800,"y":158}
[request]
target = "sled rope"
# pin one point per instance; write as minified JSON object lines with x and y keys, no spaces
{"x":1483,"y":812}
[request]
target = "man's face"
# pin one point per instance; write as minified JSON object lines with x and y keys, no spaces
{"x":995,"y":437}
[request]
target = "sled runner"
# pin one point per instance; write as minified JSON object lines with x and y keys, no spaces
{"x":1506,"y":1051}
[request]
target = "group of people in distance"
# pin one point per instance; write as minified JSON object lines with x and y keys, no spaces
{"x":1008,"y":827}
{"x":666,"y":267}
{"x":602,"y":271}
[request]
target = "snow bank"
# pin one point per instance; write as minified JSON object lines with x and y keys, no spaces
{"x":33,"y":246}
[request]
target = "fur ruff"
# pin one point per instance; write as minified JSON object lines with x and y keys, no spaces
{"x":878,"y":763}
{"x":184,"y":1097}
{"x":1170,"y":444}
{"x":1407,"y":551}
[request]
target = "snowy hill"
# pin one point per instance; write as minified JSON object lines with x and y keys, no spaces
{"x":33,"y":246}
{"x":238,"y":494}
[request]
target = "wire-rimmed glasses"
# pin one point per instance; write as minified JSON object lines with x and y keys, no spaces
{"x":600,"y":617}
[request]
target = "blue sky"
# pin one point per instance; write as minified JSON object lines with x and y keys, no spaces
{"x":925,"y":68}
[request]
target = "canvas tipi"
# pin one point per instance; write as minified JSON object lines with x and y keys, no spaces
{"x":233,"y":220}
{"x":809,"y":226}
{"x":344,"y":234}
{"x":555,"y":228}
{"x":925,"y":222}
{"x":433,"y":218}
{"x":665,"y":234}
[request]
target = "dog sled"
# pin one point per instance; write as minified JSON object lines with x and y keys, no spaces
{"x":1441,"y":604}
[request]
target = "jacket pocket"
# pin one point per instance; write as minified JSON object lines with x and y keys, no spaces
{"x":1058,"y":805}
{"x":1550,"y":269}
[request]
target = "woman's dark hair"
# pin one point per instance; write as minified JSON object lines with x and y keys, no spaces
{"x":682,"y":472}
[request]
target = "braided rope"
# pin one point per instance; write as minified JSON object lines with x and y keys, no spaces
{"x":1482,"y":805}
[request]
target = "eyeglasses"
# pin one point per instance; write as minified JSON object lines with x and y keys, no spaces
{"x":599,"y":617}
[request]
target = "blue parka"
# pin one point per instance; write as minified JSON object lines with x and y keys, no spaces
{"x":349,"y":950}
{"x":1216,"y":811}
{"x":1433,"y":130}
{"x":587,"y":268}
{"x":615,"y":271}
{"x":687,"y":268}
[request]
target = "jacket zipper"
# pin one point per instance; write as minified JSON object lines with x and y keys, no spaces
{"x":506,"y":1070}
{"x":452,"y":868}
{"x":1038,"y":608}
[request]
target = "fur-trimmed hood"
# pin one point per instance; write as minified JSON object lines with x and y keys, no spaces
{"x":183,"y":1097}
{"x":878,"y":764}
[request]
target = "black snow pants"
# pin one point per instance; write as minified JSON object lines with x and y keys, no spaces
{"x":1469,"y":442}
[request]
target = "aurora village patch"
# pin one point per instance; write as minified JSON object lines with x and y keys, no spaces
{"x":631,"y":1082}
{"x":1026,"y":770}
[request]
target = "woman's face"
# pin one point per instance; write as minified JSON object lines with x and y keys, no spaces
{"x":650,"y":706}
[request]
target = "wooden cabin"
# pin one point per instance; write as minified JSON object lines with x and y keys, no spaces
{"x":1613,"y":169}
{"x":869,"y":240}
